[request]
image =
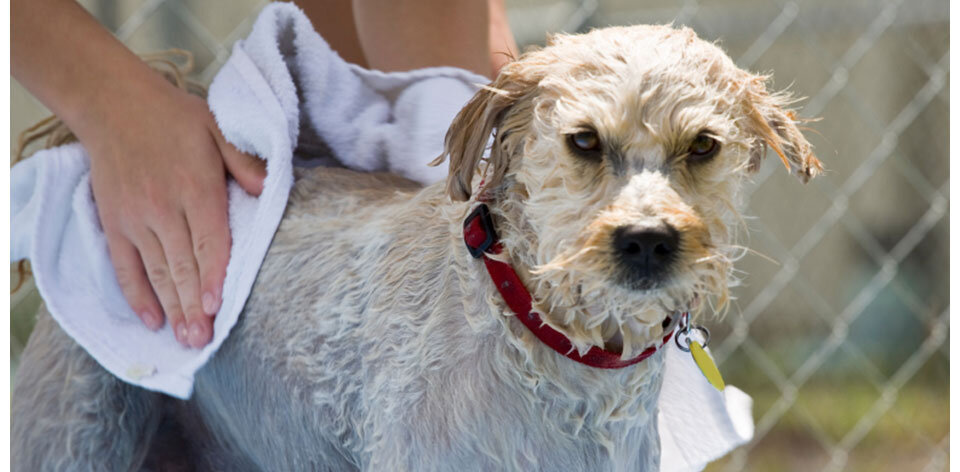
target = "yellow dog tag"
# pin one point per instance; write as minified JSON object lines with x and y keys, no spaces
{"x":706,"y":365}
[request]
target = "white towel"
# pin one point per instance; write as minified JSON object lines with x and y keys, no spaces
{"x":283,"y":76}
{"x":698,"y":424}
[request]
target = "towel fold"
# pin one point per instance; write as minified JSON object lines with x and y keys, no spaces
{"x":282,"y":77}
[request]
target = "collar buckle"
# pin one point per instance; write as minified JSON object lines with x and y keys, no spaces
{"x":478,"y":232}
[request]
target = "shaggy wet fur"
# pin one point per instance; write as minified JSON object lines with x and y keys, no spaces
{"x":373,"y":341}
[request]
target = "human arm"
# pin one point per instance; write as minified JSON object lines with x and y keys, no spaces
{"x":503,"y":46}
{"x":408,"y":35}
{"x":158,"y":162}
{"x":401,"y":35}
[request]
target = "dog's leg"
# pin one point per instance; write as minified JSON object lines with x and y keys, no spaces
{"x":68,"y":413}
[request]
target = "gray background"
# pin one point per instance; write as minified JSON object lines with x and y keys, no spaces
{"x":843,"y":341}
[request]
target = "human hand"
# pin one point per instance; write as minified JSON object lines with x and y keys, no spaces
{"x":158,"y":162}
{"x":158,"y":175}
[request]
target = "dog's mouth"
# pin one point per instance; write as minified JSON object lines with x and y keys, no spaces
{"x":614,"y":339}
{"x":597,"y":309}
{"x":614,"y":343}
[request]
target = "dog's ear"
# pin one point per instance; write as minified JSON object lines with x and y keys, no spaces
{"x":484,"y":114}
{"x":776,"y":126}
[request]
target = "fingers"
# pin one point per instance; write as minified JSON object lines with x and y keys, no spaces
{"x":174,"y":237}
{"x":210,"y":232}
{"x":249,"y":171}
{"x":157,"y":165}
{"x":155,"y":264}
{"x":133,"y":281}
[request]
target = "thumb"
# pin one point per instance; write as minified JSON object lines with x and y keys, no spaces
{"x":248,"y":170}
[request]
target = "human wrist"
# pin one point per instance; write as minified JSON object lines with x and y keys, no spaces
{"x":101,"y":108}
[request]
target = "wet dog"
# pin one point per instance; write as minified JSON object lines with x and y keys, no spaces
{"x":610,"y":164}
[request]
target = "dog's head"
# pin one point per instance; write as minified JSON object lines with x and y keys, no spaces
{"x":615,"y":167}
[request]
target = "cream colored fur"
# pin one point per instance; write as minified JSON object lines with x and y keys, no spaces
{"x":373,"y":341}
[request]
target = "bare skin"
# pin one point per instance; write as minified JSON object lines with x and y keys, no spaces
{"x":409,"y":34}
{"x":159,"y":164}
{"x":450,"y":32}
{"x":503,"y":46}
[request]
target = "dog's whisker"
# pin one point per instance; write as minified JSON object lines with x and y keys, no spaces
{"x":754,"y":252}
{"x":713,"y":257}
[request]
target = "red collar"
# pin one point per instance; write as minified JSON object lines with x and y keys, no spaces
{"x":480,"y":236}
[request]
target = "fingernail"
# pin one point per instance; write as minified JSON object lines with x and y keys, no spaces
{"x":209,"y":303}
{"x":181,"y":332}
{"x":151,"y":320}
{"x":198,"y":336}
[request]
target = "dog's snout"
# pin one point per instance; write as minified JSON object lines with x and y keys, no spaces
{"x":646,"y":250}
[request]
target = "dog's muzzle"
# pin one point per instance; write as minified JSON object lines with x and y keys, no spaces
{"x":646,"y":253}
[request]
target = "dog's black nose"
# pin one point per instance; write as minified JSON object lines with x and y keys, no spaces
{"x":646,"y":251}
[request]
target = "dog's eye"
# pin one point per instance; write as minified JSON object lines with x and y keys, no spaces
{"x":702,"y":148}
{"x":586,"y":141}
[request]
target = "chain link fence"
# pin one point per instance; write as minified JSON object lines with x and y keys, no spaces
{"x":842,"y":341}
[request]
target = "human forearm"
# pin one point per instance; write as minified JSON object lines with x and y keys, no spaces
{"x":410,"y":34}
{"x":76,"y":67}
{"x":157,"y":162}
{"x":503,"y":46}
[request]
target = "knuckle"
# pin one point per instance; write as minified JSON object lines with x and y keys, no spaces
{"x":181,"y":270}
{"x":211,"y":195}
{"x":128,"y":213}
{"x":158,"y":275}
{"x":126,"y":278}
{"x":113,"y":224}
{"x":158,"y":209}
{"x":211,"y":246}
{"x":154,"y":216}
{"x":190,"y":187}
{"x":155,"y":200}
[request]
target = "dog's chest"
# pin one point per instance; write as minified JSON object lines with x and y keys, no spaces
{"x":401,"y":379}
{"x":475,"y":415}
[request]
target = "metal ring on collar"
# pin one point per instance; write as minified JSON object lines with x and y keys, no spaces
{"x":685,"y":333}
